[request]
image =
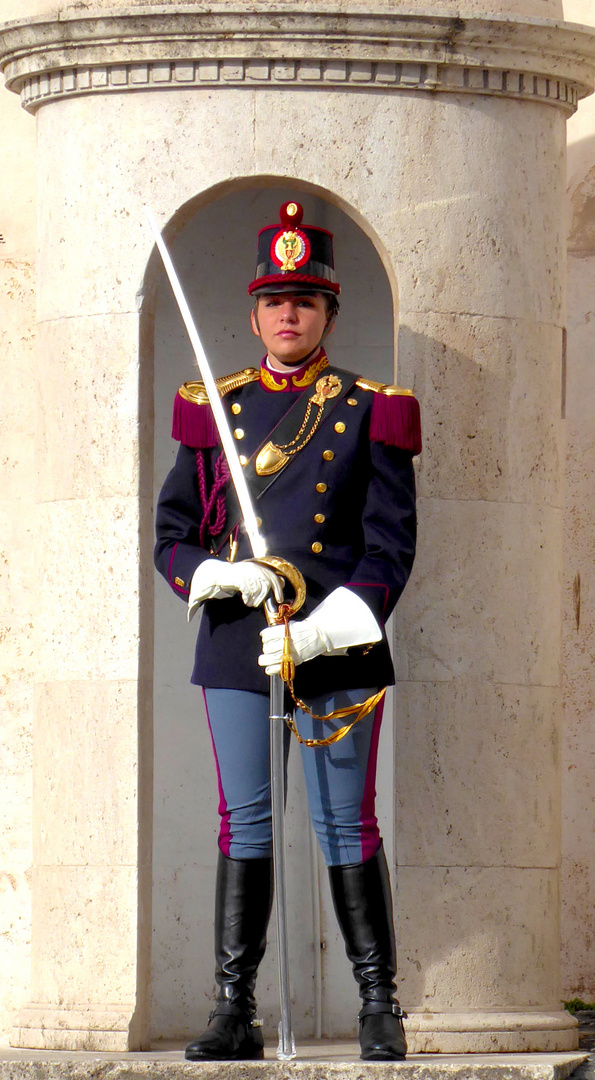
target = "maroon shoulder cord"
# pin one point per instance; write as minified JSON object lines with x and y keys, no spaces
{"x":213,"y":502}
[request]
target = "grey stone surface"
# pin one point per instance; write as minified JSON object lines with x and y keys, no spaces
{"x":585,"y":1071}
{"x":322,"y":1060}
{"x":586,"y":1031}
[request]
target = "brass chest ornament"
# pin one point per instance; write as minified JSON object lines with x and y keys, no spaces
{"x":326,"y":388}
{"x":271,"y":458}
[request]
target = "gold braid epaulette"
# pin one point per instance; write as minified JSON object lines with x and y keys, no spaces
{"x":383,"y":388}
{"x":196,"y":393}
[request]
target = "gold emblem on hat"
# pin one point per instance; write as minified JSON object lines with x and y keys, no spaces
{"x":290,"y":247}
{"x":291,"y":209}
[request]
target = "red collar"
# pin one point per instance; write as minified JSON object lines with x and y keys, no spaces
{"x":296,"y":379}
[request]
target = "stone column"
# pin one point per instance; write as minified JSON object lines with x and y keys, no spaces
{"x":18,"y":527}
{"x":578,"y":622}
{"x":454,"y":166}
{"x":92,"y":754}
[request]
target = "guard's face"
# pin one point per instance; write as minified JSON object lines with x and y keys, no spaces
{"x":290,"y":325}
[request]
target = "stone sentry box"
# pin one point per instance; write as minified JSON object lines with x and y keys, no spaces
{"x":443,"y":138}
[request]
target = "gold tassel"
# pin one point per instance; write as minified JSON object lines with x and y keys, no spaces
{"x":362,"y":709}
{"x":287,"y":671}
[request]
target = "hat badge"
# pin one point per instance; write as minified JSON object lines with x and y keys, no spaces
{"x":290,"y":247}
{"x":289,"y":250}
{"x":291,"y":255}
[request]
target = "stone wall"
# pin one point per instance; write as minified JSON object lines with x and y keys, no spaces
{"x":578,"y":772}
{"x":547,"y":9}
{"x":18,"y":526}
{"x":461,"y":191}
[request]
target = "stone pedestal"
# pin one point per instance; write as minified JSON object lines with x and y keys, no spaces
{"x":444,"y":139}
{"x":315,"y":1061}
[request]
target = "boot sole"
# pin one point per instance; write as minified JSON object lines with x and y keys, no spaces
{"x":236,"y":1057}
{"x":252,"y":1053}
{"x":380,"y":1055}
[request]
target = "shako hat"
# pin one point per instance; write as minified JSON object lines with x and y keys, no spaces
{"x":293,"y":257}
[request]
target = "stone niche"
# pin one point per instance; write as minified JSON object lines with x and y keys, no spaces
{"x":441,"y":139}
{"x":215,"y":246}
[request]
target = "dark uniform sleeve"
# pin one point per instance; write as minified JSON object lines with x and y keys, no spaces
{"x":389,"y":522}
{"x":178,"y":550}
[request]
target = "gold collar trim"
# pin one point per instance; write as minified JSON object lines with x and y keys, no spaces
{"x":282,"y":381}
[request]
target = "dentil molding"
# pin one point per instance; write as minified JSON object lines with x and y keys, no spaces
{"x":284,"y":44}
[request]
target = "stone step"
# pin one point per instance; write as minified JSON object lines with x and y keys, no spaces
{"x":322,"y":1060}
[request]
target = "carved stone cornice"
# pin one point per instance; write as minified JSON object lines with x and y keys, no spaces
{"x":279,"y":44}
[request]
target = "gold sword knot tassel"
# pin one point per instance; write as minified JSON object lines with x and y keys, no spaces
{"x":287,"y":671}
{"x":284,"y":613}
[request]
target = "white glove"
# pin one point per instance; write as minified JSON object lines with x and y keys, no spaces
{"x":342,"y":619}
{"x":216,"y":579}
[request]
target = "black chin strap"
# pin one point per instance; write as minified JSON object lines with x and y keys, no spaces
{"x":325,"y":333}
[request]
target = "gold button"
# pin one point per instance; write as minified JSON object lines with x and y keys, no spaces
{"x":238,"y":433}
{"x":243,"y":460}
{"x":339,"y":427}
{"x":351,"y":401}
{"x":321,"y":488}
{"x":178,"y":581}
{"x":319,"y":518}
{"x":259,"y":522}
{"x":328,"y":455}
{"x":236,"y":408}
{"x":316,"y":548}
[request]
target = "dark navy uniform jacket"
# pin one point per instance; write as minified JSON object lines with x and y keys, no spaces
{"x":342,"y":511}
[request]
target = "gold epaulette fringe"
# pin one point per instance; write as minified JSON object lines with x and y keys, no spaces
{"x":196,"y":393}
{"x":383,"y":388}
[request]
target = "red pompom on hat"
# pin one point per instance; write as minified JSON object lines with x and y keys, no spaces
{"x":293,"y":257}
{"x":291,"y":214}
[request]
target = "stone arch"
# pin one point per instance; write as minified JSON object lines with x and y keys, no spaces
{"x":241,"y":206}
{"x":212,"y":238}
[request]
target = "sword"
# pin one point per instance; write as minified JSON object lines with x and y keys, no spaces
{"x":286,"y":1049}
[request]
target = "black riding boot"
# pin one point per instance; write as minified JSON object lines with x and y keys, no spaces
{"x":361,"y":895}
{"x":242,"y":909}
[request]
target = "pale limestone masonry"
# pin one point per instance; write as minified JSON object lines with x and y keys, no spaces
{"x":17,"y":545}
{"x":441,"y":134}
{"x":339,"y":1061}
{"x":578,"y":748}
{"x":377,"y":48}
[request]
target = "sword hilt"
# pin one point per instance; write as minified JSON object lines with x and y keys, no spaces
{"x":286,"y":570}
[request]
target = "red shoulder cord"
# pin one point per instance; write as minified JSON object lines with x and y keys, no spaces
{"x":213,"y":502}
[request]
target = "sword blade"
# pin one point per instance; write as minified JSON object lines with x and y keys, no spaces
{"x":257,"y":542}
{"x":286,"y":1048}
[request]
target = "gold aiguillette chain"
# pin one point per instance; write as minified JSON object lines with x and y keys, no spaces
{"x":271,"y":457}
